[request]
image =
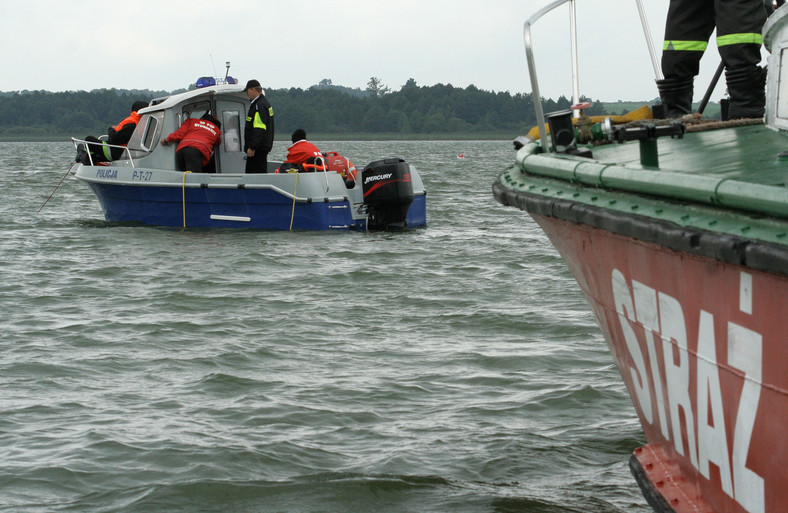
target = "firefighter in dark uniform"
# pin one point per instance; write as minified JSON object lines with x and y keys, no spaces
{"x":689,"y":25}
{"x":259,"y":129}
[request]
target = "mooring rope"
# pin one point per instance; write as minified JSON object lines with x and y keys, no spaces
{"x":705,"y":125}
{"x":183,"y":196}
{"x":697,"y":123}
{"x":56,"y":188}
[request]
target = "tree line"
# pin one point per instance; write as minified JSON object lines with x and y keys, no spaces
{"x":321,"y":109}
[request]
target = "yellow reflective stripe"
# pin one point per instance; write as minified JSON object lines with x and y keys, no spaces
{"x":271,"y":111}
{"x":686,"y":46}
{"x":258,"y":122}
{"x":735,"y":39}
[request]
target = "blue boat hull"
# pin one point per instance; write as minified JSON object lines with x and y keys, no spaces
{"x":231,"y":208}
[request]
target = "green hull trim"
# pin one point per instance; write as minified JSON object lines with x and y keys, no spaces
{"x":748,"y":200}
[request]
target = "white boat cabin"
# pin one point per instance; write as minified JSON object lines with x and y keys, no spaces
{"x":228,"y":103}
{"x":775,"y":38}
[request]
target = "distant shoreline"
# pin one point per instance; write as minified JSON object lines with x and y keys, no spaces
{"x":612,"y":108}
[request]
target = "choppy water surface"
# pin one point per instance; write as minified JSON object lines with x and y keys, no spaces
{"x":455,"y":368}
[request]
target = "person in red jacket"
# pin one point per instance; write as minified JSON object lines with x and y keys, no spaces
{"x":303,"y":154}
{"x":197,"y":138}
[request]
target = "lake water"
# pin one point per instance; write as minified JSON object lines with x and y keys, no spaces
{"x":455,"y":368}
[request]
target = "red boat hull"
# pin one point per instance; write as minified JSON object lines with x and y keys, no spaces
{"x":703,"y":350}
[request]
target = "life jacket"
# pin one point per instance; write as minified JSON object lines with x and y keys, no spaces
{"x":314,"y":164}
{"x":114,"y":153}
{"x":340,"y":164}
{"x":311,"y":165}
{"x":132,"y":118}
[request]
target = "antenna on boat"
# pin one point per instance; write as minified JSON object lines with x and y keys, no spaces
{"x":227,"y":73}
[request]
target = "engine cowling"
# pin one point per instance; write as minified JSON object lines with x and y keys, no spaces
{"x":388,"y":193}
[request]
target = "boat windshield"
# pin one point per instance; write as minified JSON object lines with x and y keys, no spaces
{"x":194,"y":110}
{"x":146,"y":135}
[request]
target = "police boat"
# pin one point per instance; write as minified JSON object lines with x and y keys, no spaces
{"x":144,"y":186}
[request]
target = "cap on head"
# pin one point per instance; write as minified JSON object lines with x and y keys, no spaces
{"x":252,"y":84}
{"x":137,"y":105}
{"x":298,"y":135}
{"x":209,"y":117}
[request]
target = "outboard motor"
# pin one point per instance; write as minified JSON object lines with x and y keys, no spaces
{"x":388,"y":193}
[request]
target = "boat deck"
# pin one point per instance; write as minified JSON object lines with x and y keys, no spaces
{"x":724,"y":185}
{"x":744,"y":153}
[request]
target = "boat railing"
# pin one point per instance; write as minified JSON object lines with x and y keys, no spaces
{"x":325,"y":169}
{"x":126,"y":150}
{"x":529,"y":54}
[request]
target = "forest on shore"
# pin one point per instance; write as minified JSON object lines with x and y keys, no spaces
{"x":325,"y":109}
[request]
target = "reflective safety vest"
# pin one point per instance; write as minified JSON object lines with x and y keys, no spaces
{"x":700,"y":46}
{"x":259,"y":127}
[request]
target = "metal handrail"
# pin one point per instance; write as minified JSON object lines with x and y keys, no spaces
{"x":649,"y":41}
{"x":125,"y":149}
{"x":529,"y":54}
{"x":573,"y":50}
{"x":325,"y":170}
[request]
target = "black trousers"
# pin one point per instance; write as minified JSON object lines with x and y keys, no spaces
{"x":693,"y":21}
{"x":189,"y":159}
{"x":96,"y":149}
{"x":258,"y":163}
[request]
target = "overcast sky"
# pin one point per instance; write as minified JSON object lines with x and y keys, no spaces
{"x":60,"y":45}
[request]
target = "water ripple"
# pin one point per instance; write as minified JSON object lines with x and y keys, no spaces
{"x":453,"y":368}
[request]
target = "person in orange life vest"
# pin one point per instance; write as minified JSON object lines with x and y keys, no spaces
{"x":303,"y":154}
{"x":117,"y":135}
{"x":197,"y":138}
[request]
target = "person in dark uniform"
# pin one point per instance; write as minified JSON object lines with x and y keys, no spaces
{"x":259,"y":129}
{"x":689,"y":25}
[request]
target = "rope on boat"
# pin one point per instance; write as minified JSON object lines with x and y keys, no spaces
{"x":705,"y":125}
{"x":183,"y":196}
{"x":56,"y":188}
{"x":692,"y":123}
{"x":292,"y":212}
{"x":696,"y":123}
